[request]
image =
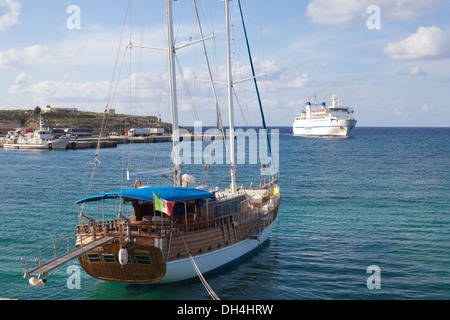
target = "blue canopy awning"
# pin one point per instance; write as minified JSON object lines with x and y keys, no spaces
{"x":167,"y":193}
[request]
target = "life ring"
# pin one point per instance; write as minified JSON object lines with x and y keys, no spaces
{"x":138,"y":184}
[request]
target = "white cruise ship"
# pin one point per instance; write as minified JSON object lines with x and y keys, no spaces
{"x":322,"y":121}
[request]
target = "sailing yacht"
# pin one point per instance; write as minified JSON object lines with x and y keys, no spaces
{"x":172,"y":233}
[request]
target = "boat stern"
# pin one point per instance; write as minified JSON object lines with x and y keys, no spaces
{"x":136,"y":264}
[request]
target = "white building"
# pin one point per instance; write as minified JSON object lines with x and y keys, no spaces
{"x":63,"y":110}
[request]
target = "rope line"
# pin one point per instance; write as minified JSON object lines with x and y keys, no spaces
{"x":197,"y":270}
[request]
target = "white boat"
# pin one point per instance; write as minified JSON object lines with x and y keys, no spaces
{"x":42,"y":139}
{"x":318,"y":120}
{"x":164,"y":234}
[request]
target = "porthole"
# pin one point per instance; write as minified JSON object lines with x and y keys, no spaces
{"x":94,"y":258}
{"x":143,"y":260}
{"x":109,"y":258}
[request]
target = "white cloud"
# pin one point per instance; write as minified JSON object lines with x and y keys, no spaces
{"x":92,"y":93}
{"x":341,"y":13}
{"x":398,"y":111}
{"x":428,"y":107}
{"x":71,"y":74}
{"x":56,"y":90}
{"x":39,"y":52}
{"x":427,"y":43}
{"x":322,"y":64}
{"x":11,"y":17}
{"x":299,"y":81}
{"x":285,"y":75}
{"x":93,"y":47}
{"x":22,"y":78}
{"x":20,"y":84}
{"x":266,"y":31}
{"x":345,"y":13}
{"x":412,"y":71}
{"x":33,"y":54}
{"x":10,"y":58}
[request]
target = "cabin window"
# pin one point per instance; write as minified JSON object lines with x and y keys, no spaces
{"x":234,"y":206}
{"x":144,"y":260}
{"x":217,"y":211}
{"x":109,"y":258}
{"x":94,"y":258}
{"x":226,"y":209}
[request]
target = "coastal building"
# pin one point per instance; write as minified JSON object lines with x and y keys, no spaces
{"x":49,"y":109}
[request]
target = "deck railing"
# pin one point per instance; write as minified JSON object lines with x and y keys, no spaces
{"x":50,"y":251}
{"x":163,"y":228}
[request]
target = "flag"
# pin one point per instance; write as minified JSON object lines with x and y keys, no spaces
{"x":158,"y":204}
{"x":163,"y":205}
{"x":167,"y":207}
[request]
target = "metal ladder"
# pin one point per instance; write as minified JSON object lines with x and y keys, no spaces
{"x":43,"y":269}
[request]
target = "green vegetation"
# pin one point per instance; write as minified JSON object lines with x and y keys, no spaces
{"x":119,"y":123}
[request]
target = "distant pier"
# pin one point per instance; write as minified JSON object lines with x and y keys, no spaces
{"x":113,"y":141}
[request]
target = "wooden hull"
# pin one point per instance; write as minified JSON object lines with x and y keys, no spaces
{"x":147,"y":264}
{"x":166,"y":259}
{"x":182,"y":270}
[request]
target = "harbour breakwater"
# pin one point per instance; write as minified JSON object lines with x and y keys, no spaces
{"x":114,"y":141}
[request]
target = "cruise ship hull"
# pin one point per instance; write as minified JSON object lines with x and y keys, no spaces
{"x":324,"y":128}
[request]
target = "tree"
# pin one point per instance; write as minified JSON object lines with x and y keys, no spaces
{"x":37,"y":110}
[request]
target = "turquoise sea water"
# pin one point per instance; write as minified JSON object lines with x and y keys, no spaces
{"x":381,"y":197}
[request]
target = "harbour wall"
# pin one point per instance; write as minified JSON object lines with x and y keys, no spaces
{"x":114,"y":141}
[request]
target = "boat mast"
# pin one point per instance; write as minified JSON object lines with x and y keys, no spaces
{"x":230,"y":99}
{"x":173,"y":94}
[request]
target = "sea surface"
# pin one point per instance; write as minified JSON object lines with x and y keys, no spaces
{"x":379,"y":198}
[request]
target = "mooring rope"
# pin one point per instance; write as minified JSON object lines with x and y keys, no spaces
{"x":197,"y":270}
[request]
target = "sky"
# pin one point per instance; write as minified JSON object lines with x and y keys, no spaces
{"x":389,"y":60}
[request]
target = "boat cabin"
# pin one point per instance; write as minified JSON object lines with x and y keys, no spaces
{"x":157,"y":211}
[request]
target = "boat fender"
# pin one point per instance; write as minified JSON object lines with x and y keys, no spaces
{"x":123,"y":256}
{"x":138,"y":184}
{"x":36,"y":282}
